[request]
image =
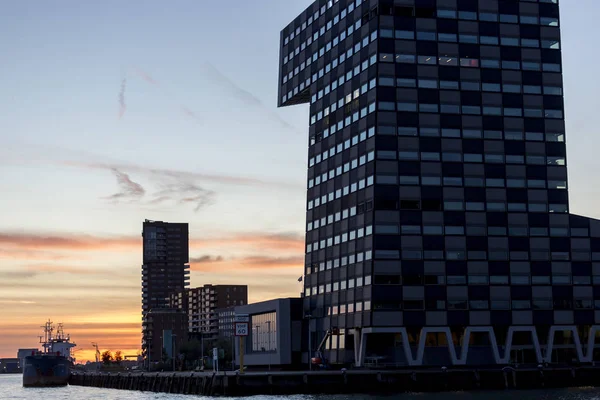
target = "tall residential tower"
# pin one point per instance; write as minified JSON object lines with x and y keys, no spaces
{"x":165,"y":269}
{"x":437,"y":209}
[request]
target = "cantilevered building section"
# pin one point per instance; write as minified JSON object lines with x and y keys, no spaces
{"x":165,"y":269}
{"x":437,"y":209}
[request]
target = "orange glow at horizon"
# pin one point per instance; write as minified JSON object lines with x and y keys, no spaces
{"x":93,"y":284}
{"x":85,"y":355}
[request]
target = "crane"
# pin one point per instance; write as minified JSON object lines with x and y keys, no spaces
{"x":319,"y":359}
{"x":97,"y":352}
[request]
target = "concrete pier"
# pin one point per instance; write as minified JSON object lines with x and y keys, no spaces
{"x":351,"y":381}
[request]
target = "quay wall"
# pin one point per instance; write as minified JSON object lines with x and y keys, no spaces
{"x":351,"y":381}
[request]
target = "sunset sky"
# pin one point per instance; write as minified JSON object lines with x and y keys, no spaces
{"x":116,"y":111}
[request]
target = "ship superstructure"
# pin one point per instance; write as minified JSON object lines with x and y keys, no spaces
{"x":49,"y":367}
{"x":55,"y":341}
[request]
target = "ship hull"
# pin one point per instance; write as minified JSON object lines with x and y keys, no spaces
{"x":45,"y":370}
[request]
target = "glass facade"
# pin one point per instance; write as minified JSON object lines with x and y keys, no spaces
{"x":264,"y":332}
{"x":437,"y":191}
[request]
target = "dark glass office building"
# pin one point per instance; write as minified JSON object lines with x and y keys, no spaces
{"x":438,"y":225}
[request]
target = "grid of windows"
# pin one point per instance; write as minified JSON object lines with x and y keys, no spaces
{"x":297,"y":65}
{"x":437,"y":188}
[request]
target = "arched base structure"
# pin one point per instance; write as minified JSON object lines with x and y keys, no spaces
{"x":459,"y":352}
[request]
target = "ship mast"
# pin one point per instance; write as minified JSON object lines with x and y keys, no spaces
{"x":47,"y":342}
{"x":60,"y":334}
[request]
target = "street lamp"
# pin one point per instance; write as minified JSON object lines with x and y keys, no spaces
{"x":202,"y":346}
{"x":232,"y":337}
{"x":173,"y":338}
{"x":309,"y":317}
{"x":257,"y":329}
{"x":269,"y":341}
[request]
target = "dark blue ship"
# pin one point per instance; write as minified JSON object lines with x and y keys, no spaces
{"x":46,"y":370}
{"x":50,"y":367}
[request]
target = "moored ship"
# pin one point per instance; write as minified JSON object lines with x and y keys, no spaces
{"x":51,"y":366}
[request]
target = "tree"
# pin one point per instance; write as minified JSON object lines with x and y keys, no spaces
{"x":222,"y":343}
{"x":118,"y":356}
{"x":107,"y":357}
{"x":226,"y":344}
{"x":192,"y":351}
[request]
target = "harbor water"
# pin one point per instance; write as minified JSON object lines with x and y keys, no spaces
{"x":11,"y":388}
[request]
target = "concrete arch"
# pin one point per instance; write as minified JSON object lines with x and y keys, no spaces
{"x":465,"y":345}
{"x":576,"y":341}
{"x":423,"y":342}
{"x":589,"y":357}
{"x":361,"y":335}
{"x":509,"y":339}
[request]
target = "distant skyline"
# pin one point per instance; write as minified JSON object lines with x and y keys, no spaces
{"x":114,"y":112}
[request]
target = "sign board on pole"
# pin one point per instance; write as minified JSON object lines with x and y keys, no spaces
{"x":215,"y":359}
{"x":241,"y":318}
{"x":241,"y":329}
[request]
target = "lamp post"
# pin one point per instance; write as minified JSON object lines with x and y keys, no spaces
{"x":258,"y":346}
{"x":257,"y":328}
{"x":254,"y":337}
{"x":148,"y":353}
{"x":232,"y":352}
{"x":173,"y":338}
{"x":202,"y":347}
{"x":269,"y":341}
{"x":309,"y":317}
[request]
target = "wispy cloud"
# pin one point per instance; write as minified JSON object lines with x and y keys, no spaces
{"x":26,"y":153}
{"x":178,"y":174}
{"x":65,"y":269}
{"x":145,"y":76}
{"x":284,"y":241}
{"x":243,"y":95}
{"x":17,"y":302}
{"x":72,"y":242}
{"x":18,"y":274}
{"x":294,"y":261}
{"x":217,"y":263}
{"x":37,"y":287}
{"x":205,"y":259}
{"x":30,"y":254}
{"x":183,"y":192}
{"x":187,"y":111}
{"x":190,"y":113}
{"x":122,"y":105}
{"x":128,"y":189}
{"x":172,"y":187}
{"x":250,"y":242}
{"x":28,"y":271}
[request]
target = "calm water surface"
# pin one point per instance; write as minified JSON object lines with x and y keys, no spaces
{"x":11,"y":388}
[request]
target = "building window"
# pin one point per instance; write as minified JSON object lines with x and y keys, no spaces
{"x":264,"y":332}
